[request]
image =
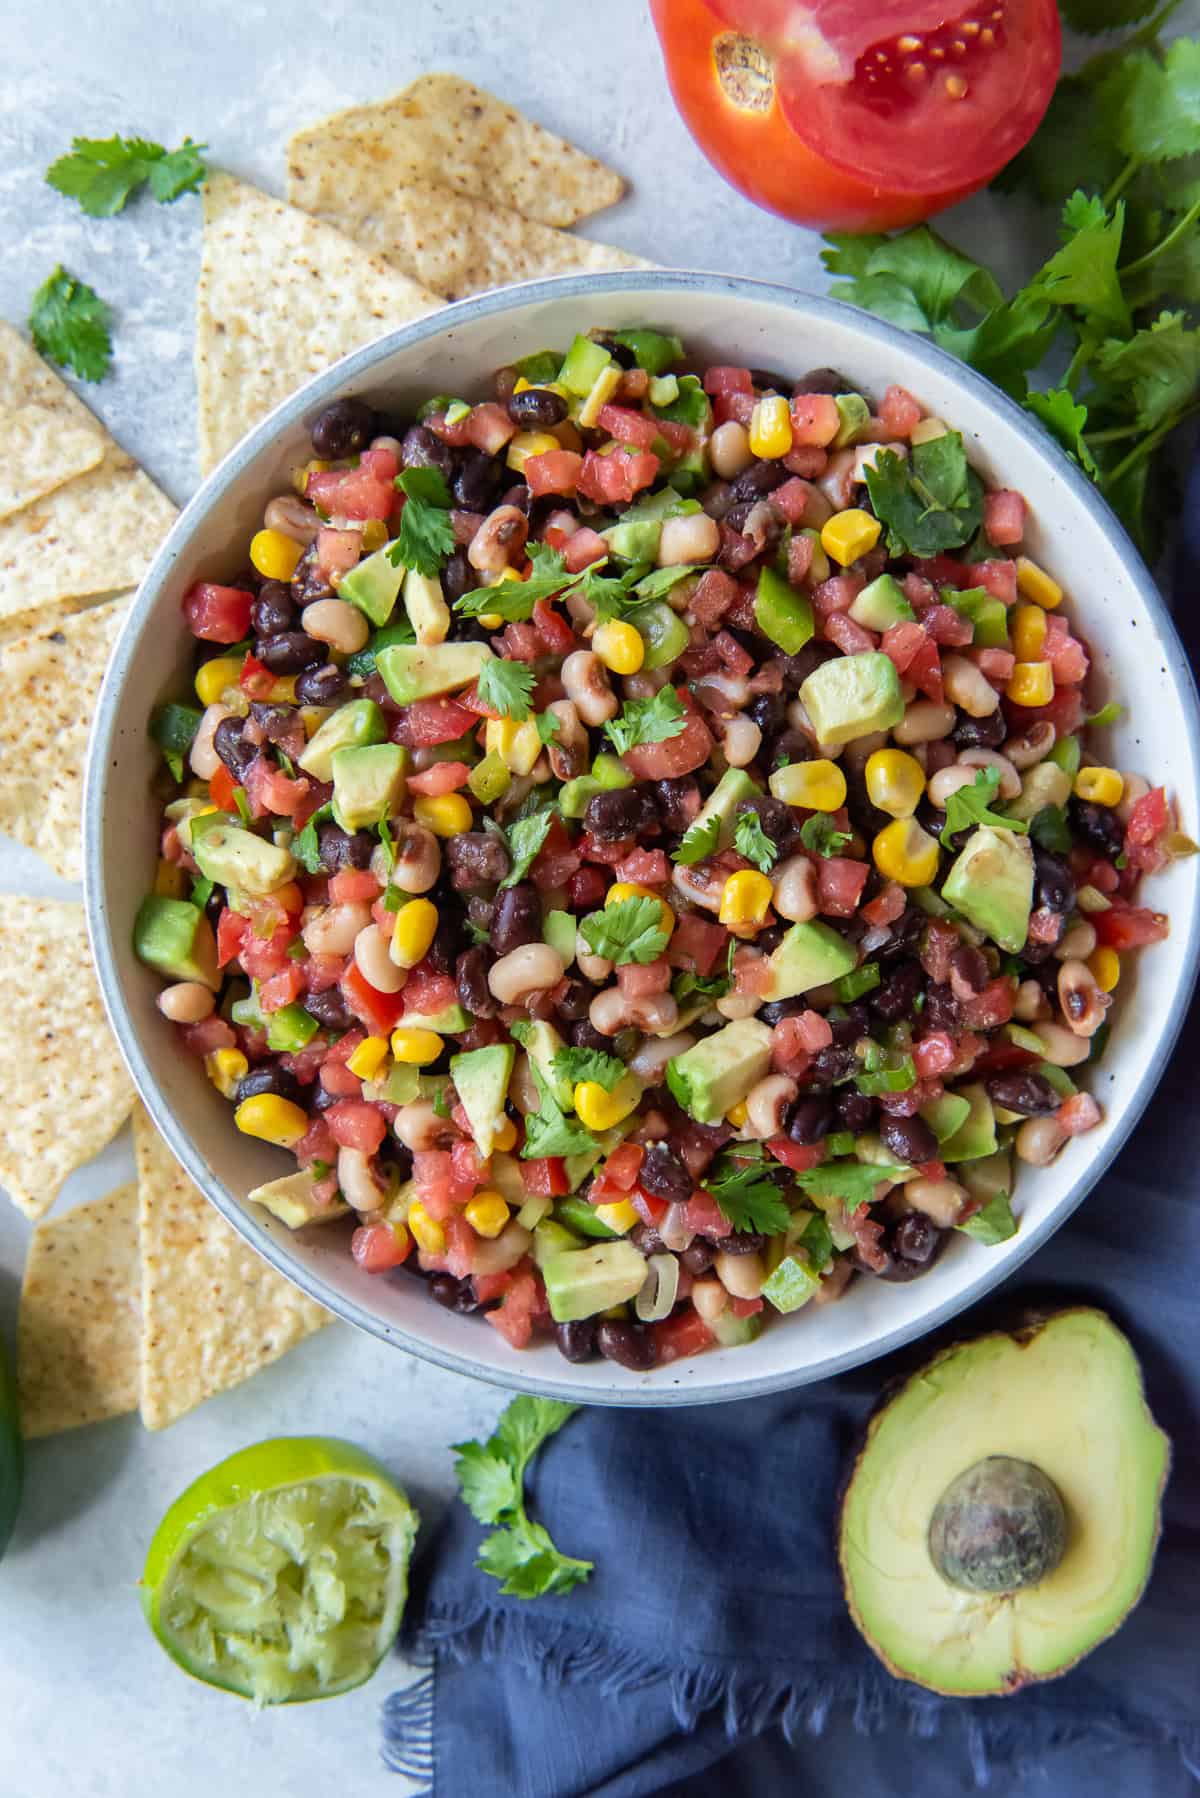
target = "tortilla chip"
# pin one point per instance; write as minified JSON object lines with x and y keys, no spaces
{"x":48,"y":688}
{"x":94,"y":537}
{"x":42,"y":450}
{"x":78,"y":1330}
{"x":445,"y":132}
{"x":453,"y":245}
{"x":66,"y":1090}
{"x":25,"y":380}
{"x":281,"y":297}
{"x":213,"y":1312}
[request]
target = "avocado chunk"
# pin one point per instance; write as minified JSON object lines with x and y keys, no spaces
{"x":366,"y":784}
{"x":853,"y":696}
{"x":854,"y":413}
{"x":237,"y":858}
{"x":373,"y":585}
{"x":448,"y":1022}
{"x":542,"y":1042}
{"x":481,"y":1079}
{"x":635,"y":542}
{"x":551,"y":1239}
{"x":426,"y":606}
{"x":732,"y":1331}
{"x":582,"y":364}
{"x":717,"y":1073}
{"x":1044,"y":784}
{"x":945,"y":1116}
{"x":350,"y":727}
{"x":792,"y":1284}
{"x":420,"y":671}
{"x":975,"y":1136}
{"x":991,"y":884}
{"x":734,"y":786}
{"x":810,"y":955}
{"x":882,"y":604}
{"x":587,"y":1281}
{"x":558,"y":929}
{"x":177,"y":939}
{"x":1063,"y":1397}
{"x":290,"y":1199}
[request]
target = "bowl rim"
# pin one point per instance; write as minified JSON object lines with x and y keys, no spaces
{"x":350,"y":370}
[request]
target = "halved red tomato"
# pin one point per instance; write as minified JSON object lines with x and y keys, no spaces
{"x":860,"y":118}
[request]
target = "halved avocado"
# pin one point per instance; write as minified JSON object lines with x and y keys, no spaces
{"x":1001,"y":1518}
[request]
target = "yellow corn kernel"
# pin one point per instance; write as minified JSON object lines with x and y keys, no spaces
{"x":818,"y":786}
{"x":619,"y":1216}
{"x":170,"y":881}
{"x":745,"y":897}
{"x":415,"y":1046}
{"x":1031,"y":683}
{"x":517,"y":745}
{"x":771,"y":427}
{"x":415,"y":928}
{"x":487,"y":1213}
{"x":271,"y":1119}
{"x":1105,"y":965}
{"x":526,"y":444}
{"x":491,"y":621}
{"x":369,"y":1057}
{"x":449,"y":815}
{"x":505,"y":1138}
{"x":895,"y":782}
{"x":283,"y":689}
{"x":302,"y":471}
{"x":737,"y":1114}
{"x":427,"y":1233}
{"x":599,"y":1110}
{"x":619,"y":646}
{"x":374,"y":535}
{"x":850,"y":534}
{"x":1037,"y":585}
{"x":213,"y":677}
{"x":1100,"y":786}
{"x":524,"y":386}
{"x":225,"y":1068}
{"x":274,"y":555}
{"x":1028,"y":626}
{"x":905,"y":853}
{"x":602,"y":390}
{"x":627,"y":889}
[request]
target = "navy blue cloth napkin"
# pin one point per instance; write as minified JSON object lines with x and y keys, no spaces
{"x":711,"y":1652}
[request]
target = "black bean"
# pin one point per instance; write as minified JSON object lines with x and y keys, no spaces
{"x":779,"y":822}
{"x":677,"y":801}
{"x":270,"y":1078}
{"x":626,"y":1345}
{"x":329,"y":1009}
{"x":824,"y":380}
{"x":619,"y":813}
{"x":536,"y":409}
{"x":865,"y":817}
{"x":767,"y":941}
{"x":452,"y":1294}
{"x":758,"y":479}
{"x":981,"y":733}
{"x":442,"y":953}
{"x":646,"y":1240}
{"x":775,"y":1010}
{"x":941,"y":1009}
{"x":322,"y":1100}
{"x":698,"y":1257}
{"x":1054,"y":885}
{"x":291,"y":652}
{"x":584,"y":1035}
{"x":576,"y":1000}
{"x":664,"y":1175}
{"x":810,"y":1118}
{"x":458,"y":577}
{"x":277,"y":722}
{"x":908,"y":1139}
{"x":338,"y":848}
{"x":913,"y":1247}
{"x":1098,"y":825}
{"x":517,"y":919}
{"x":741,"y":1242}
{"x":422,"y":448}
{"x":621,"y":353}
{"x":768,"y":711}
{"x":343,"y":429}
{"x":470,"y":979}
{"x":853,"y":1110}
{"x":322,"y":686}
{"x":576,"y":1341}
{"x":476,"y":859}
{"x":274,"y":610}
{"x":856,"y":1023}
{"x":1030,"y":1094}
{"x":476,"y":481}
{"x":790,"y":746}
{"x":229,"y":741}
{"x":971,"y":966}
{"x":830,"y":1065}
{"x":520,"y":497}
{"x":893,"y":999}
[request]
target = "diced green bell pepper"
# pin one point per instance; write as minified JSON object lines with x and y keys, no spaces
{"x":290,"y":1029}
{"x":783,"y":614}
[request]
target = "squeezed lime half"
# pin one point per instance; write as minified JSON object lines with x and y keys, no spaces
{"x":11,"y":1453}
{"x":281,"y":1574}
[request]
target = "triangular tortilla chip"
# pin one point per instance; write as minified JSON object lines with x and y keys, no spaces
{"x":453,"y":245}
{"x":25,"y":380}
{"x":48,"y":688}
{"x":94,"y":537}
{"x":281,"y":297}
{"x":445,"y":132}
{"x":213,"y":1312}
{"x":66,"y":1090}
{"x":78,"y":1327}
{"x":42,"y":449}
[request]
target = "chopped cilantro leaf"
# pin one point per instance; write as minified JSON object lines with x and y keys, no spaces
{"x":506,"y":687}
{"x":547,"y":727}
{"x":629,"y":931}
{"x":306,"y":845}
{"x":821,"y":836}
{"x":515,"y":600}
{"x":748,"y":1199}
{"x":929,"y":503}
{"x":426,"y":534}
{"x":69,"y":324}
{"x":549,"y":1131}
{"x":646,"y":721}
{"x":525,"y":839}
{"x":698,"y":841}
{"x":852,"y":1182}
{"x":970,"y":806}
{"x":752,"y":841}
{"x":588,"y":1064}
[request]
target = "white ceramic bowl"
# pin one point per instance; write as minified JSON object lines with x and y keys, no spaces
{"x":1138,"y":659}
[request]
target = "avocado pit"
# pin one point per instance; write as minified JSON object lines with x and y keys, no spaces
{"x":999,"y":1527}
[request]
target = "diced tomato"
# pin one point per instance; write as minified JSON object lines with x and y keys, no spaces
{"x":805,"y":1032}
{"x":735,"y":659}
{"x":615,"y":479}
{"x":643,"y":980}
{"x":815,"y":419}
{"x":353,"y":886}
{"x":705,"y":1217}
{"x":901,"y":643}
{"x":681,"y":438}
{"x":645,"y":867}
{"x":993,"y":1006}
{"x":380,"y":1012}
{"x":337,"y":552}
{"x":837,"y":594}
{"x":209,"y":1034}
{"x":427,"y":722}
{"x":263,"y":956}
{"x":791,"y":501}
{"x":555,"y":471}
{"x":751,"y":973}
{"x":1004,"y":516}
{"x":1069,"y":660}
{"x":338,"y":1081}
{"x":232,"y":931}
{"x":899,"y":412}
{"x":681,"y":754}
{"x":736,"y":406}
{"x":940,"y":942}
{"x":491,"y":1286}
{"x":217,"y":614}
{"x":556,"y":860}
{"x":519,"y":642}
{"x":850,"y":638}
{"x":443,"y":777}
{"x":469,"y":1166}
{"x":1148,"y":819}
{"x":256,"y":679}
{"x":221,"y":789}
{"x":622,"y":1168}
{"x":316,"y":1144}
{"x":746,"y":1307}
{"x":377,"y":1247}
{"x":680,"y":1336}
{"x":514,"y":1315}
{"x":948,"y":627}
{"x":282,"y":988}
{"x":367,"y":491}
{"x":272,"y":792}
{"x":583,"y":548}
{"x":585,"y":889}
{"x":840,"y":883}
{"x":996,"y":664}
{"x":489,"y":427}
{"x":806,"y":461}
{"x":999,"y":578}
{"x":800,"y":1157}
{"x":1129,"y":926}
{"x":887,"y":906}
{"x":627,"y":426}
{"x":868,"y":1237}
{"x":461,"y":1246}
{"x":427,"y":992}
{"x":546,"y":1176}
{"x":724,"y":378}
{"x":442,"y":1188}
{"x":1078,"y":1114}
{"x":354,"y":1124}
{"x":322,"y":971}
{"x":933,"y":1055}
{"x":698,"y":942}
{"x":556,"y":633}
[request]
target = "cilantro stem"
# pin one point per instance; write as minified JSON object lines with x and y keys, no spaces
{"x":1121,"y":183}
{"x":1183,"y":225}
{"x":1079,"y":362}
{"x":1117,"y":434}
{"x":1149,"y":444}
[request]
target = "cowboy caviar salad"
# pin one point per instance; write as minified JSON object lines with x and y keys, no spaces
{"x":633,"y":841}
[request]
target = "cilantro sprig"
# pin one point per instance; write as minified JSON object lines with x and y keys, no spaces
{"x":491,"y":1479}
{"x":747,"y":1197}
{"x":698,"y":841}
{"x":629,"y":931}
{"x":647,"y":721}
{"x":929,"y":503}
{"x":588,"y":1064}
{"x":507,"y":687}
{"x":514,"y":600}
{"x":549,"y":1131}
{"x":69,"y":324}
{"x":426,"y":535}
{"x":971,"y":805}
{"x":752,"y":841}
{"x":102,"y":172}
{"x":821,"y":836}
{"x":524,"y":840}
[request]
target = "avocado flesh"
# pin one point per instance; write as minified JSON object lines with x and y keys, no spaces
{"x":719,"y":1071}
{"x":175,"y":937}
{"x":810,"y":955}
{"x":350,"y":727}
{"x":584,"y":1282}
{"x":290,"y":1199}
{"x":1065,"y":1396}
{"x":367,"y":784}
{"x":991,"y":884}
{"x":481,"y":1079}
{"x":373,"y":585}
{"x":237,"y":858}
{"x":853,"y":696}
{"x":421,"y":671}
{"x":734,"y":786}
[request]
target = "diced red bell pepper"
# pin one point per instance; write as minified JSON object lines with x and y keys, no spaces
{"x":546,"y":1176}
{"x":256,"y":679}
